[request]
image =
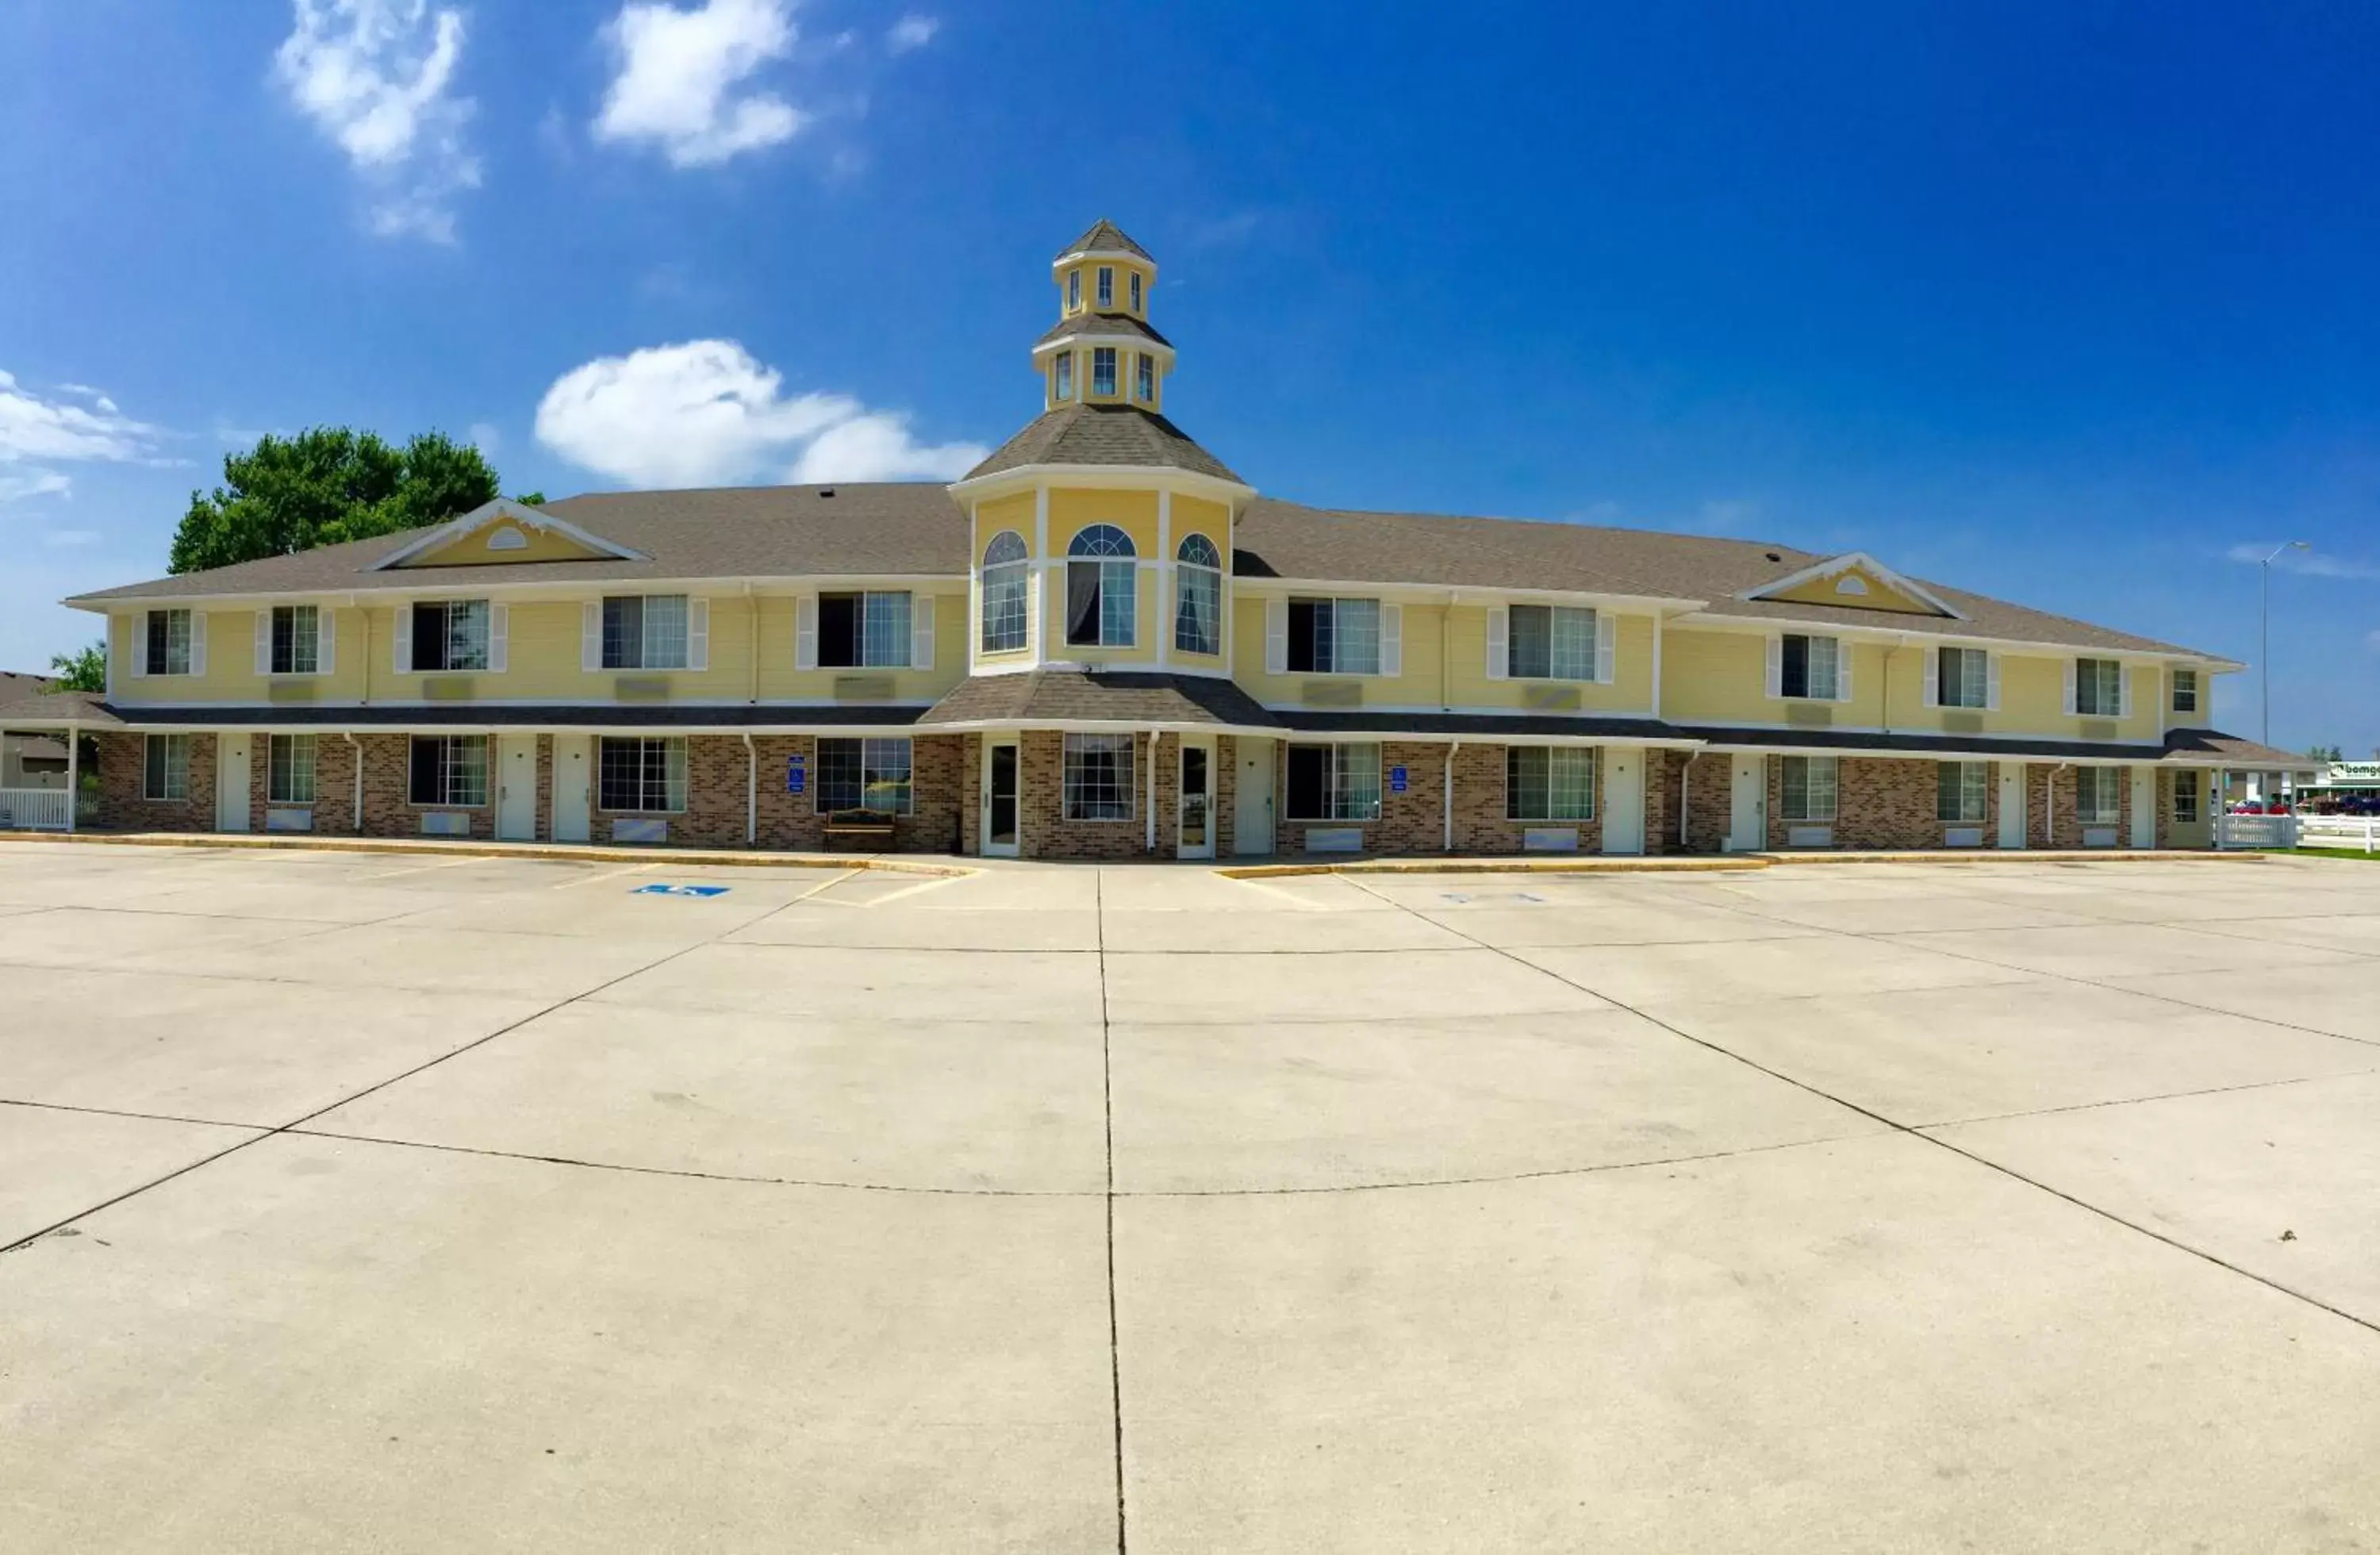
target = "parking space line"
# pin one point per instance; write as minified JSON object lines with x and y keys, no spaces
{"x":606,"y":875}
{"x":910,"y":891}
{"x":425,"y":868}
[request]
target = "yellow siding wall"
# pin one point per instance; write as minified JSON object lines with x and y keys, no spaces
{"x":231,"y":675}
{"x":471,"y":550}
{"x":1880,"y":595}
{"x":1718,"y":677}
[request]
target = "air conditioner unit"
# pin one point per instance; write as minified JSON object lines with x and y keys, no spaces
{"x":1962,"y":836}
{"x":1334,"y":839}
{"x":1809,"y":836}
{"x":446,"y":823}
{"x":1550,"y":838}
{"x":640,"y":828}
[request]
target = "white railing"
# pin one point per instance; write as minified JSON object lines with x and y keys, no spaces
{"x":33,"y":810}
{"x":2339,"y":831}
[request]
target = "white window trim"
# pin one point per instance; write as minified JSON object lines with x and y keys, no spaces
{"x":1593,"y":784}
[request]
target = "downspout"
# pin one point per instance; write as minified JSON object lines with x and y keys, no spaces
{"x":357,"y":815}
{"x":1686,"y":789}
{"x":1151,"y":844}
{"x":2049,"y":806}
{"x":751,"y":783}
{"x":1447,"y":790}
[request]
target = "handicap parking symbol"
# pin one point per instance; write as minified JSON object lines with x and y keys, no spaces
{"x":679,"y":891}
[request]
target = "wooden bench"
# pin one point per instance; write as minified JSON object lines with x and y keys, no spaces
{"x":868,"y":827}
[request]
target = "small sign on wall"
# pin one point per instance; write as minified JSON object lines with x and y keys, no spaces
{"x":797,"y":774}
{"x":1396,"y":780}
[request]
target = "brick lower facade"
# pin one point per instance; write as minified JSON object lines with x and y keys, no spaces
{"x":1882,"y":803}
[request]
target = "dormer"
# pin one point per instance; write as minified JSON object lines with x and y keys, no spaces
{"x":1103,"y":350}
{"x":503,"y":532}
{"x":1856,"y":581}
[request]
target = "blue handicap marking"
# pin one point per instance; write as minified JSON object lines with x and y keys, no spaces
{"x":1396,"y":780}
{"x":679,"y":890}
{"x":797,"y":774}
{"x":1454,"y":896}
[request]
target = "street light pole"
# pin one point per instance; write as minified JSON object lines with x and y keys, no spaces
{"x":2264,"y":649}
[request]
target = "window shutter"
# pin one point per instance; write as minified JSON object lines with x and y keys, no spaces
{"x":2124,"y":691}
{"x":1842,"y":671}
{"x":137,"y":644}
{"x":1933,"y":677}
{"x":327,"y":639}
{"x":1776,"y":666}
{"x":400,"y":641}
{"x":697,"y":634}
{"x":264,"y":641}
{"x":1392,"y":640}
{"x":498,"y":630}
{"x":921,"y":631}
{"x":1276,"y":637}
{"x":198,"y":642}
{"x":1500,"y":642}
{"x":806,"y":631}
{"x":2069,"y":688}
{"x":591,"y":636}
{"x":1605,"y":634}
{"x":1992,"y":682}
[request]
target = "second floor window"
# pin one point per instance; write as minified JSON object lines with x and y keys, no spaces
{"x":1102,"y":586}
{"x":1809,"y":667}
{"x":2185,"y":690}
{"x":1005,"y":575}
{"x":1962,"y":678}
{"x":864,"y":631}
{"x":167,"y":646}
{"x":644,"y":632}
{"x":1334,"y":636}
{"x":1136,"y":291}
{"x":1961,"y":791}
{"x":297,"y":641}
{"x":1107,"y":287}
{"x":1197,"y":596}
{"x":1062,"y":376}
{"x":1550,"y":642}
{"x":1103,"y":370}
{"x":450,"y":634}
{"x":2098,"y":688}
{"x":1073,"y":290}
{"x":1145,"y":378}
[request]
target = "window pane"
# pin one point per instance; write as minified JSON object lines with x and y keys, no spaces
{"x":1099,"y":777}
{"x":1004,"y":607}
{"x":1146,"y":374}
{"x":624,"y":633}
{"x":1117,"y":601}
{"x":1525,"y":783}
{"x":839,"y":643}
{"x":466,"y":770}
{"x":1107,"y":287}
{"x":1529,"y":634}
{"x":1569,"y":783}
{"x":1794,"y":679}
{"x":1309,"y":781}
{"x":841,"y":782}
{"x":884,"y":641}
{"x":290,"y":769}
{"x":1356,"y":785}
{"x":1065,"y":369}
{"x":1809,"y":785}
{"x":664,"y":632}
{"x":1960,"y":791}
{"x":1572,"y":653}
{"x":1198,"y":615}
{"x":1103,"y":370}
{"x":1355,"y":637}
{"x":1822,"y":667}
{"x":884,"y":776}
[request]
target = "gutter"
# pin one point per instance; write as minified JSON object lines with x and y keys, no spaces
{"x":2049,"y":806}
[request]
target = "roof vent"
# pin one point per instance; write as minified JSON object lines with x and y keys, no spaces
{"x":1770,"y":554}
{"x":826,"y":490}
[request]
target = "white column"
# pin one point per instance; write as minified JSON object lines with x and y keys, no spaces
{"x":74,"y":773}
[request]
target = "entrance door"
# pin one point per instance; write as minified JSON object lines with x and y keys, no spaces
{"x":1198,"y":818}
{"x":231,"y":782}
{"x":517,"y":788}
{"x":1251,"y":796}
{"x":1623,"y":801}
{"x":573,"y":788}
{"x":2144,"y":806}
{"x":2014,"y":824}
{"x":1000,"y":798}
{"x":1747,"y":813}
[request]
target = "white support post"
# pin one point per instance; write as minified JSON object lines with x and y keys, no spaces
{"x":74,"y":776}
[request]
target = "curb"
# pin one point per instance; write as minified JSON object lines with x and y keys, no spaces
{"x":571,"y":852}
{"x":1714,"y":864}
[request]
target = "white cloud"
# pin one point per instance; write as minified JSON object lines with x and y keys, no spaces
{"x":39,"y":483}
{"x":705,"y":413}
{"x":62,"y":537}
{"x":2310,"y":564}
{"x":912,"y":31}
{"x":681,"y":78}
{"x":35,"y":431}
{"x":484,"y":437}
{"x":378,"y":77}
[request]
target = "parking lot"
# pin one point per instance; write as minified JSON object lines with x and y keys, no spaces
{"x":413,"y":1203}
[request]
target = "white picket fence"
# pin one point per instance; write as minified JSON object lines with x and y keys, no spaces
{"x":33,"y":810}
{"x":2339,"y":831}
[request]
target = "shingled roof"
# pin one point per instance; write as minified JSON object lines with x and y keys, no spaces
{"x":1096,"y":322}
{"x":1106,"y":238}
{"x":1097,"y":696}
{"x":1102,"y":434}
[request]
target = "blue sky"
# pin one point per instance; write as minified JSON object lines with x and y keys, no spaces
{"x":2070,"y":303}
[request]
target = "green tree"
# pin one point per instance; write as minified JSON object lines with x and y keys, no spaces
{"x":2324,"y":753}
{"x":325,"y":485}
{"x":83,"y":671}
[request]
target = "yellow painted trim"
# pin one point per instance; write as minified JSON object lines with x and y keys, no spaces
{"x":586,"y":853}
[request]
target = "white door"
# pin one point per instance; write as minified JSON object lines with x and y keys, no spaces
{"x":1194,"y":822}
{"x":1747,"y":813}
{"x":2014,"y":824}
{"x":1003,"y":774}
{"x":573,"y":788}
{"x":1251,"y":796}
{"x":1623,"y":799}
{"x":517,"y":788}
{"x":231,"y":782}
{"x":2145,"y":801}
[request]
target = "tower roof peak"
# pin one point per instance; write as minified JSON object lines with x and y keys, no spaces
{"x":1105,"y":238}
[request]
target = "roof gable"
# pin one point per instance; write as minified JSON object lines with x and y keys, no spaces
{"x":1855,"y":581}
{"x":500,"y":532}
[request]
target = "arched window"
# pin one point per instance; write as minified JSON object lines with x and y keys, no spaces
{"x":1197,"y":596}
{"x":1100,"y":587}
{"x":1004,"y":572}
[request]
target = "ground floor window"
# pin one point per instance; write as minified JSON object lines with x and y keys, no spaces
{"x":1962,"y":790}
{"x":289,"y":769}
{"x":641,"y":774}
{"x":2097,"y":795}
{"x":1549,"y":782}
{"x":1334,"y":782}
{"x":449,"y":769}
{"x":1809,"y":787}
{"x":1099,"y":777}
{"x":2185,"y":797}
{"x":165,"y":767}
{"x":864,"y":775}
